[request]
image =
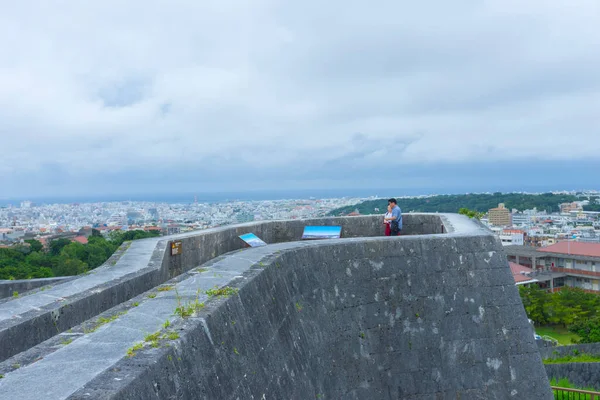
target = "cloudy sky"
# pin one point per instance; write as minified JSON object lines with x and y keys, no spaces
{"x":125,"y":97}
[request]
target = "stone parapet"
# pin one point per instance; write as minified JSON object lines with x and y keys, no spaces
{"x":433,"y":314}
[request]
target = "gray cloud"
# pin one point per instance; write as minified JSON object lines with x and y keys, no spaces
{"x":310,"y":93}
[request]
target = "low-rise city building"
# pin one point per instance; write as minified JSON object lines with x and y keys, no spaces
{"x":566,"y":263}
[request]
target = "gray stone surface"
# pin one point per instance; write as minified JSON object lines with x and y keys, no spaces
{"x":29,"y":320}
{"x":585,"y":375}
{"x":431,"y":316}
{"x":561,"y":351}
{"x":8,"y":288}
{"x":579,"y":374}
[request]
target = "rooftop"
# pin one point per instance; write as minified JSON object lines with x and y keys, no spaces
{"x":574,"y":248}
{"x":538,"y":252}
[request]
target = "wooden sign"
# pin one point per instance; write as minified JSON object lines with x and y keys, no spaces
{"x":176,"y":248}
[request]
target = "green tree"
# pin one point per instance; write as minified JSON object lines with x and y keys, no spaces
{"x":69,"y":266}
{"x":453,"y":203}
{"x":36,"y":245}
{"x":40,"y":260}
{"x":57,"y":245}
{"x":64,"y":257}
{"x":96,"y":233}
{"x":588,"y":330}
{"x":471,"y":213}
{"x":75,"y":250}
{"x":534,"y":300}
{"x":95,"y":255}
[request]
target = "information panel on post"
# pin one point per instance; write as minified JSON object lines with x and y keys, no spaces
{"x":176,"y":248}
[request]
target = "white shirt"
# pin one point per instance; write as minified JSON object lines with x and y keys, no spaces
{"x":387,"y":215}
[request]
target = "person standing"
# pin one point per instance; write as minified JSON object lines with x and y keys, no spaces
{"x":395,"y":219}
{"x":386,"y":222}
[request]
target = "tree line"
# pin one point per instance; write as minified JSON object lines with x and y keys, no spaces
{"x":63,"y":257}
{"x":476,"y":202}
{"x":571,"y":307}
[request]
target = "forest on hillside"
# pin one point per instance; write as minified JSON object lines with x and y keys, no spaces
{"x":476,"y":202}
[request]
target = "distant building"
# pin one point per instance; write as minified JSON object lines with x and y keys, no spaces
{"x":134,"y":217}
{"x":153,"y":214}
{"x":567,"y":263}
{"x":521,"y":274}
{"x":172,"y":229}
{"x":520,"y":219}
{"x":539,"y":240}
{"x":4,"y":232}
{"x":512,"y":237}
{"x":80,"y":239}
{"x":500,"y":216}
{"x":566,"y":208}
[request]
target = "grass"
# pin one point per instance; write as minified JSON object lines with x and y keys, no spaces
{"x":152,"y":295}
{"x":153,"y":340}
{"x":225,"y":291}
{"x":132,"y":350}
{"x":103,"y":321}
{"x":165,"y":288}
{"x":188,"y":309}
{"x":15,"y":294}
{"x":576,"y":358}
{"x":564,"y":383}
{"x":172,"y":335}
{"x":559,"y":333}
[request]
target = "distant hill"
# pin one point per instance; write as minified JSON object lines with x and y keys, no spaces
{"x":452,"y":203}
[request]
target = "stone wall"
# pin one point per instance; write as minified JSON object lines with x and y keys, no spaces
{"x":199,"y":247}
{"x":579,"y":374}
{"x":8,"y":288}
{"x":561,"y":351}
{"x":151,"y":264}
{"x":585,"y":375}
{"x":425,"y":315}
{"x":415,"y":318}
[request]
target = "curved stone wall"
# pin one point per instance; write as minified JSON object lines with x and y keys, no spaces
{"x":31,"y":319}
{"x":421,"y":316}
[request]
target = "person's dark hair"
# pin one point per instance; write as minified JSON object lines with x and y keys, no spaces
{"x":392,"y":200}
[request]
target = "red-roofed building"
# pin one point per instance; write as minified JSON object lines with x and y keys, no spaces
{"x":80,"y":239}
{"x":573,"y":264}
{"x":521,"y":274}
{"x":513,"y":231}
{"x":574,"y":248}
